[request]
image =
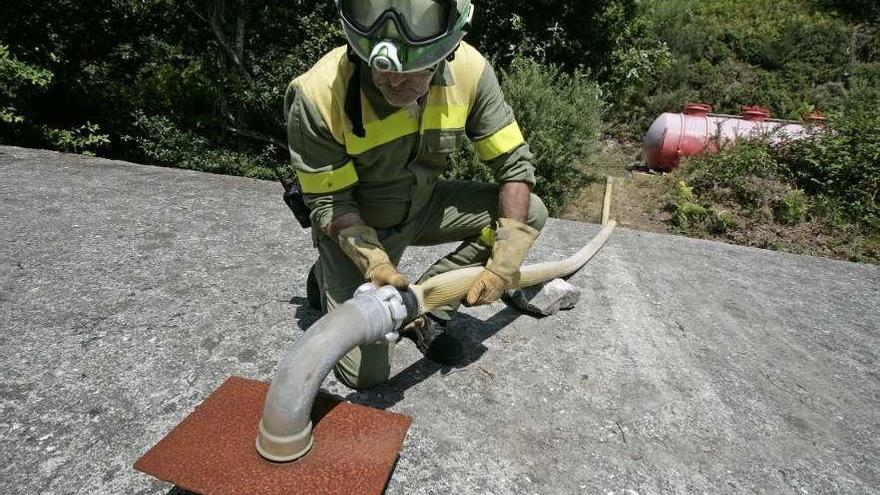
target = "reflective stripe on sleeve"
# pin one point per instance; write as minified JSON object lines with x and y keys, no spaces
{"x":327,"y":182}
{"x":503,"y":141}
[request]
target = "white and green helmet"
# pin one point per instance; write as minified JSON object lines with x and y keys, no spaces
{"x":404,"y":35}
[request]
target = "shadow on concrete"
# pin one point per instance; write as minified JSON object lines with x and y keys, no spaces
{"x":390,"y":473}
{"x":180,"y":491}
{"x":471,"y":331}
{"x":305,"y":315}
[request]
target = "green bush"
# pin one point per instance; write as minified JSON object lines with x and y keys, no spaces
{"x":559,"y":115}
{"x":85,"y":139}
{"x":792,"y":208}
{"x":17,"y":80}
{"x":684,"y":193}
{"x":747,"y":175}
{"x":843,"y":163}
{"x":690,"y":217}
{"x":687,"y":212}
{"x":573,"y":34}
{"x":19,"y":84}
{"x":166,"y":144}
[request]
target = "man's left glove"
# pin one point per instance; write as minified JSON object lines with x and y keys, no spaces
{"x":513,"y":239}
{"x":361,"y":244}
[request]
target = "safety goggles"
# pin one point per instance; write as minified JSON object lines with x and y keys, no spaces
{"x":417,"y":22}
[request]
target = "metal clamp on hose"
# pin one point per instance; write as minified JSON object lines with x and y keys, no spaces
{"x":392,"y":300}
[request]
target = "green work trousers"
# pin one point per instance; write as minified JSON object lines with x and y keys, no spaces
{"x":457,"y":211}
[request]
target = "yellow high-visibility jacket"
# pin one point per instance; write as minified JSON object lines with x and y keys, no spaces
{"x":388,"y":175}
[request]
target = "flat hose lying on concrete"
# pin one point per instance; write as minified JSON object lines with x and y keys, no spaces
{"x":373,"y":314}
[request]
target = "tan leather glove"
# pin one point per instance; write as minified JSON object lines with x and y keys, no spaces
{"x":361,"y":244}
{"x":513,"y":239}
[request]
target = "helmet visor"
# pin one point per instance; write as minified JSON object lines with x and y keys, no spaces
{"x":417,"y":21}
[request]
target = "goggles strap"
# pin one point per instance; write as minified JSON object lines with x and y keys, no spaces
{"x":451,"y":56}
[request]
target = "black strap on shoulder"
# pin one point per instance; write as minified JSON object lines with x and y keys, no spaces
{"x":451,"y":56}
{"x":353,"y":97}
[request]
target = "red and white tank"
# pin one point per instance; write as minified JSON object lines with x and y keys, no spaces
{"x":697,"y":130}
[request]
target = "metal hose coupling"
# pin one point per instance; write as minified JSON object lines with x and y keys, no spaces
{"x":401,"y":304}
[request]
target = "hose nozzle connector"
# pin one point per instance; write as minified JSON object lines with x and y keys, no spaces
{"x":399,"y":307}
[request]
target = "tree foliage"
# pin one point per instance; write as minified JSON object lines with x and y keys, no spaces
{"x":199,"y":83}
{"x":789,"y":55}
{"x":215,"y":68}
{"x":562,"y":32}
{"x":17,"y":79}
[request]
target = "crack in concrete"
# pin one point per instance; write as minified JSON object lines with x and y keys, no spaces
{"x":622,"y":434}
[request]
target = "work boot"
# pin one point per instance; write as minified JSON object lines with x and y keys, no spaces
{"x":432,"y":339}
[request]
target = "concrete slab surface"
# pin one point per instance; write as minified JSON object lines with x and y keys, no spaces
{"x":128,"y":293}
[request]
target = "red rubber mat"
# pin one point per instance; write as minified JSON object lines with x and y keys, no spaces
{"x":212,"y":452}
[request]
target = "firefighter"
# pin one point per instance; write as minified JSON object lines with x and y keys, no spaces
{"x":370,"y":128}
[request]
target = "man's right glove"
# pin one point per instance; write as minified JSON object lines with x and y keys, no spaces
{"x":513,"y":240}
{"x":361,"y":244}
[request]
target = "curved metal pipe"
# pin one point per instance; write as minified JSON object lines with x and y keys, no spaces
{"x":286,"y":427}
{"x":371,"y":315}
